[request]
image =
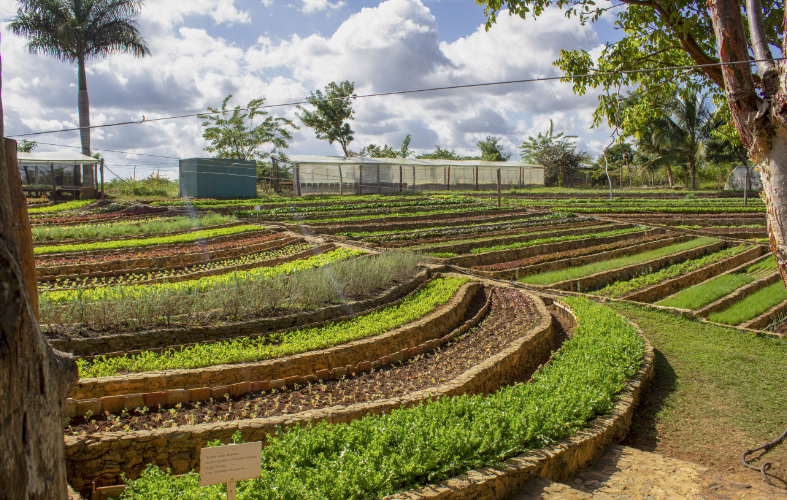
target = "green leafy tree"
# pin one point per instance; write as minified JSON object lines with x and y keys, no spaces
{"x":26,"y":146}
{"x":441,"y":154}
{"x":242,"y":133}
{"x":77,"y":31}
{"x":386,"y":151}
{"x":492,"y":150}
{"x":557,"y":153}
{"x":333,"y":110}
{"x":701,"y":34}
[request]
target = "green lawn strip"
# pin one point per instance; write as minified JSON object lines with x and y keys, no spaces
{"x":608,"y":265}
{"x":207,"y":283}
{"x":435,"y":293}
{"x":751,"y":306}
{"x":763,"y":265}
{"x":70,"y":205}
{"x":378,"y":455}
{"x":397,"y":214}
{"x":747,"y":226}
{"x":710,"y":291}
{"x":107,"y":230}
{"x":556,"y":239}
{"x":619,"y":288}
{"x":716,"y":391}
{"x":442,"y":255}
{"x":141,"y":242}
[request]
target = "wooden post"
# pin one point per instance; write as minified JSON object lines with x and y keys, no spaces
{"x":413,"y":178}
{"x":360,"y":179}
{"x":102,"y":178}
{"x":400,"y":178}
{"x":296,"y":181}
{"x":275,"y":175}
{"x":444,"y":178}
{"x":448,"y":178}
{"x":379,"y":189}
{"x":498,"y":188}
{"x":476,"y":177}
{"x":54,"y":191}
{"x":341,"y":182}
{"x":36,"y":175}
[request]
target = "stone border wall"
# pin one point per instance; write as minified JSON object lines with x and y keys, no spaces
{"x":764,"y":319}
{"x":445,"y":219}
{"x":556,"y":462}
{"x":516,"y":273}
{"x":549,"y":231}
{"x":737,"y":295}
{"x":145,"y":264}
{"x":666,"y":288}
{"x":103,"y":458}
{"x":303,"y":254}
{"x":498,"y":256}
{"x":133,"y":343}
{"x":163,"y":246}
{"x":602,"y":279}
{"x":431,"y":326}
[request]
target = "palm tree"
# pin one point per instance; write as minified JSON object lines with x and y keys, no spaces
{"x":689,"y":122}
{"x":76,"y":31}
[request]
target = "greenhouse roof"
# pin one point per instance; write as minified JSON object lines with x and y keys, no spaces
{"x":360,"y":160}
{"x":58,"y":159}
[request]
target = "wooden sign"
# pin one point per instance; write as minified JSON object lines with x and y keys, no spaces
{"x":227,"y":464}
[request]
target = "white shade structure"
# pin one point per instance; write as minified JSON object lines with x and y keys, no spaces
{"x":58,"y":159}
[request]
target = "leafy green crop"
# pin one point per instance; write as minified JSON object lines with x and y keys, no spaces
{"x":381,"y":454}
{"x":70,"y":205}
{"x":556,"y":239}
{"x":619,"y":288}
{"x":435,"y":293}
{"x":751,"y":306}
{"x":703,"y":294}
{"x":141,"y":242}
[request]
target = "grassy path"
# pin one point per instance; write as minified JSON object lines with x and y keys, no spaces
{"x":716,"y":392}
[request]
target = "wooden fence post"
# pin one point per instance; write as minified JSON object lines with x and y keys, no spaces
{"x":52,"y":169}
{"x":498,"y":188}
{"x":400,"y":178}
{"x":413,"y":178}
{"x":36,"y":175}
{"x":297,"y":179}
{"x":102,"y":178}
{"x":448,"y":178}
{"x":360,"y":179}
{"x":341,"y":182}
{"x":476,"y":177}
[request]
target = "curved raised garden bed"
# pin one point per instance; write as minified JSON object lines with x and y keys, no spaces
{"x":178,"y":448}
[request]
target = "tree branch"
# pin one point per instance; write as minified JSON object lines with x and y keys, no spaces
{"x":765,"y":67}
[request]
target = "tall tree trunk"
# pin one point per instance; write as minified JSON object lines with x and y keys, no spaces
{"x":760,"y":122}
{"x":746,"y":187}
{"x":693,"y":173}
{"x":34,"y":378}
{"x":669,"y":176}
{"x":83,"y":104}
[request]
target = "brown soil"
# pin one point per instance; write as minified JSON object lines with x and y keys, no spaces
{"x":511,"y":314}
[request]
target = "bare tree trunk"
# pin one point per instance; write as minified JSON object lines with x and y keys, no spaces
{"x":83,"y":105}
{"x":746,"y":187}
{"x":34,"y":378}
{"x":669,"y":176}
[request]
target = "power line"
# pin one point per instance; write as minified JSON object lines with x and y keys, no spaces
{"x":401,"y":92}
{"x":106,"y":150}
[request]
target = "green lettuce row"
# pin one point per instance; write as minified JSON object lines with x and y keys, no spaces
{"x":399,"y":214}
{"x":435,"y":293}
{"x":141,"y":242}
{"x":381,"y":454}
{"x":199,"y":285}
{"x":71,"y":205}
{"x":556,"y":239}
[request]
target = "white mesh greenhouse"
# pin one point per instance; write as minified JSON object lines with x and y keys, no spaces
{"x":358,"y":175}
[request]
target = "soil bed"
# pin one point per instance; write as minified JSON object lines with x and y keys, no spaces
{"x":511,"y":314}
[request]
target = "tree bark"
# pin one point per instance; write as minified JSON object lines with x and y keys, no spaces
{"x":83,"y":105}
{"x":669,"y":176}
{"x":34,"y":378}
{"x":746,"y":186}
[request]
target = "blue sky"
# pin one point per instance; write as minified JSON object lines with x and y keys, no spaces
{"x":203,"y":50}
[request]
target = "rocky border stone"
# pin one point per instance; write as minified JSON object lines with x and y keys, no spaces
{"x":433,"y":325}
{"x":134,"y":343}
{"x":103,"y":458}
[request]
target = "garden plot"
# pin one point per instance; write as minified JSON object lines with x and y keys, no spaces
{"x":600,"y":274}
{"x":304,"y":201}
{"x":479,"y":253}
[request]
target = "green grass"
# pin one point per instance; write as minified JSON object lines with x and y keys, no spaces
{"x":70,"y":205}
{"x":435,"y":293}
{"x":557,"y":239}
{"x":142,"y":242}
{"x":765,"y":264}
{"x":608,"y":265}
{"x":381,"y":454}
{"x":751,"y":306}
{"x":619,"y":288}
{"x":442,"y":255}
{"x":703,"y":294}
{"x":716,"y":391}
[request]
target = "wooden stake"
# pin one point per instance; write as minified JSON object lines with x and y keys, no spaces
{"x":52,"y":169}
{"x":36,"y":175}
{"x":499,"y":203}
{"x":360,"y":179}
{"x":400,"y":178}
{"x":413,"y":178}
{"x":341,"y":182}
{"x":476,"y":177}
{"x":448,"y":179}
{"x":231,"y":491}
{"x":102,"y":178}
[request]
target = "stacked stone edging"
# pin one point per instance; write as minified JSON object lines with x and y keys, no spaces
{"x":666,"y":288}
{"x":498,"y":256}
{"x":103,"y":458}
{"x":556,"y":462}
{"x":549,"y":231}
{"x":737,"y":295}
{"x":146,"y":264}
{"x":133,"y":343}
{"x":764,"y":319}
{"x":603,"y":278}
{"x":399,"y":223}
{"x":326,"y":247}
{"x":429,"y":327}
{"x":516,"y":273}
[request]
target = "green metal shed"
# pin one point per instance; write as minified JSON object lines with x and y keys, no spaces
{"x":218,"y":178}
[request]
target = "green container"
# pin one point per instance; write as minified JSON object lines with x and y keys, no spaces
{"x":218,"y":178}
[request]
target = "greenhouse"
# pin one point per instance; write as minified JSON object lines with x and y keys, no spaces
{"x":359,"y":175}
